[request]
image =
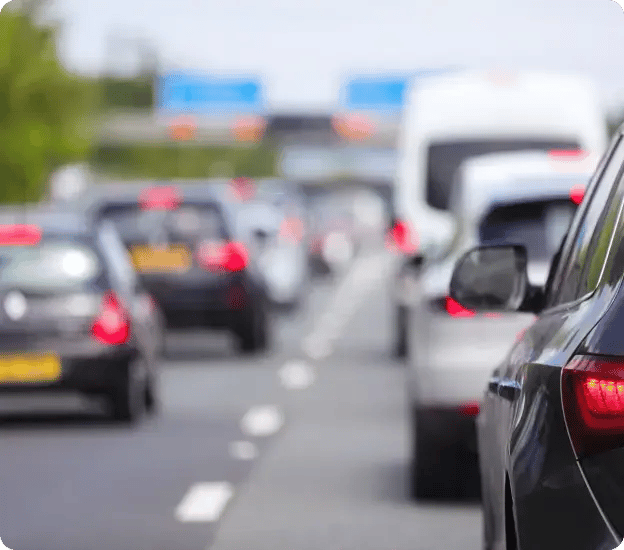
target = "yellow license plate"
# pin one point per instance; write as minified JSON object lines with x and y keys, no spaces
{"x":32,"y":367}
{"x":154,"y":259}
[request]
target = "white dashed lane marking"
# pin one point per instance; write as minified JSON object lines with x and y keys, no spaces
{"x":296,"y":375}
{"x":242,"y":450}
{"x":204,"y":502}
{"x":262,"y":421}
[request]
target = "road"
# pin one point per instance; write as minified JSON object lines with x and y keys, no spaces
{"x":303,"y":448}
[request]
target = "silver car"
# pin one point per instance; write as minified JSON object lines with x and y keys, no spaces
{"x":521,"y":198}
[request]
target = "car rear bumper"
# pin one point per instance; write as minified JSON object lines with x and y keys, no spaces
{"x":209,"y":304}
{"x":449,"y":426}
{"x":453,"y":358}
{"x":88,"y":374}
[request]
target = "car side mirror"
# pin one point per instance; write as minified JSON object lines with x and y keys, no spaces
{"x":494,"y":278}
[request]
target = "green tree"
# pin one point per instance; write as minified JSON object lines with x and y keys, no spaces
{"x":46,"y":114}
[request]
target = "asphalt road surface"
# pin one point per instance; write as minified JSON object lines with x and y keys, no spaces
{"x":303,"y":448}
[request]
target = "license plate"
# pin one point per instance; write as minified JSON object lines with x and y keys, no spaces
{"x":154,"y":259}
{"x":33,"y":367}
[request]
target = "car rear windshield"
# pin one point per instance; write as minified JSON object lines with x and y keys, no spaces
{"x":445,"y":158}
{"x":51,"y":265}
{"x":187,"y":223}
{"x":539,"y":226}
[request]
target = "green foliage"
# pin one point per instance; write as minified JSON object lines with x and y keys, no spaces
{"x":46,"y":114}
{"x":187,"y":161}
{"x":117,"y":92}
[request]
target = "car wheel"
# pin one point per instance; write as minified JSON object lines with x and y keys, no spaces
{"x":129,"y":394}
{"x":401,"y":332}
{"x":253,"y":332}
{"x":151,"y":396}
{"x":439,"y":471}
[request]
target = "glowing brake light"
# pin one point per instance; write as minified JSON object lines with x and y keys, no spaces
{"x":592,"y":390}
{"x":243,"y":189}
{"x":216,"y":256}
{"x":469,"y":409}
{"x":19,"y":235}
{"x":291,"y":230}
{"x":112,"y":325}
{"x":402,"y":238}
{"x":577,"y":193}
{"x":160,"y":198}
{"x":572,"y":154}
{"x":455,"y":309}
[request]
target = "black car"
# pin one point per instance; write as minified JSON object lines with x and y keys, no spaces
{"x":73,"y":316}
{"x":183,"y":244}
{"x":551,"y":427}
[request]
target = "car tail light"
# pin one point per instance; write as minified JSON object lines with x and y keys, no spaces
{"x":402,"y":237}
{"x":19,"y":235}
{"x":592,"y":389}
{"x":160,"y":198}
{"x":455,"y":309}
{"x":219,"y":256}
{"x":469,"y":409}
{"x":572,"y":154}
{"x":112,"y":325}
{"x":291,"y":230}
{"x":577,"y":193}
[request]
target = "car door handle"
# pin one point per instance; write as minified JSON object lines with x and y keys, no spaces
{"x":509,"y":389}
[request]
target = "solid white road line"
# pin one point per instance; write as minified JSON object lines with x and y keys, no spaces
{"x":204,"y":502}
{"x":262,"y":421}
{"x":296,"y":375}
{"x":242,"y":450}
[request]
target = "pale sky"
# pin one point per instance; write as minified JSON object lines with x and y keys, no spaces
{"x":304,"y":48}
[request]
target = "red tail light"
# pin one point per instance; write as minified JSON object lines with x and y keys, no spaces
{"x":291,"y":230}
{"x":455,"y":309}
{"x":160,"y":198}
{"x":577,"y":193}
{"x":112,"y":325}
{"x":216,"y":256}
{"x":19,"y":235}
{"x":592,"y":391}
{"x":572,"y":154}
{"x":469,"y":409}
{"x":402,"y":237}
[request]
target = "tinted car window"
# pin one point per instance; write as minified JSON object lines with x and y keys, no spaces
{"x":52,"y":265}
{"x":445,"y":158}
{"x":586,"y":253}
{"x":538,"y":225}
{"x":612,"y":239}
{"x":189,"y":222}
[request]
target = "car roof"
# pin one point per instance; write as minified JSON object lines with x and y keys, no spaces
{"x":510,"y":103}
{"x":489,"y":179}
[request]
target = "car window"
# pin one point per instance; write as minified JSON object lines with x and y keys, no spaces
{"x":538,"y":225}
{"x":443,"y":160}
{"x":613,"y":237}
{"x":586,"y":248}
{"x":188,"y":223}
{"x":52,"y":265}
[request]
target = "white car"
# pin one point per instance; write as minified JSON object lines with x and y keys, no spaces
{"x":524,"y":198}
{"x":453,"y":117}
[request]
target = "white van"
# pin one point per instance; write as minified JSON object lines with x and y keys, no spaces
{"x":450,"y":118}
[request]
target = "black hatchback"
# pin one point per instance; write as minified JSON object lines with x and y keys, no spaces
{"x":551,"y":427}
{"x":183,"y":244}
{"x":73,"y":315}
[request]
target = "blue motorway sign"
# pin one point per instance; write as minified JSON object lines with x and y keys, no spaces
{"x":382,"y":93}
{"x":183,"y":92}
